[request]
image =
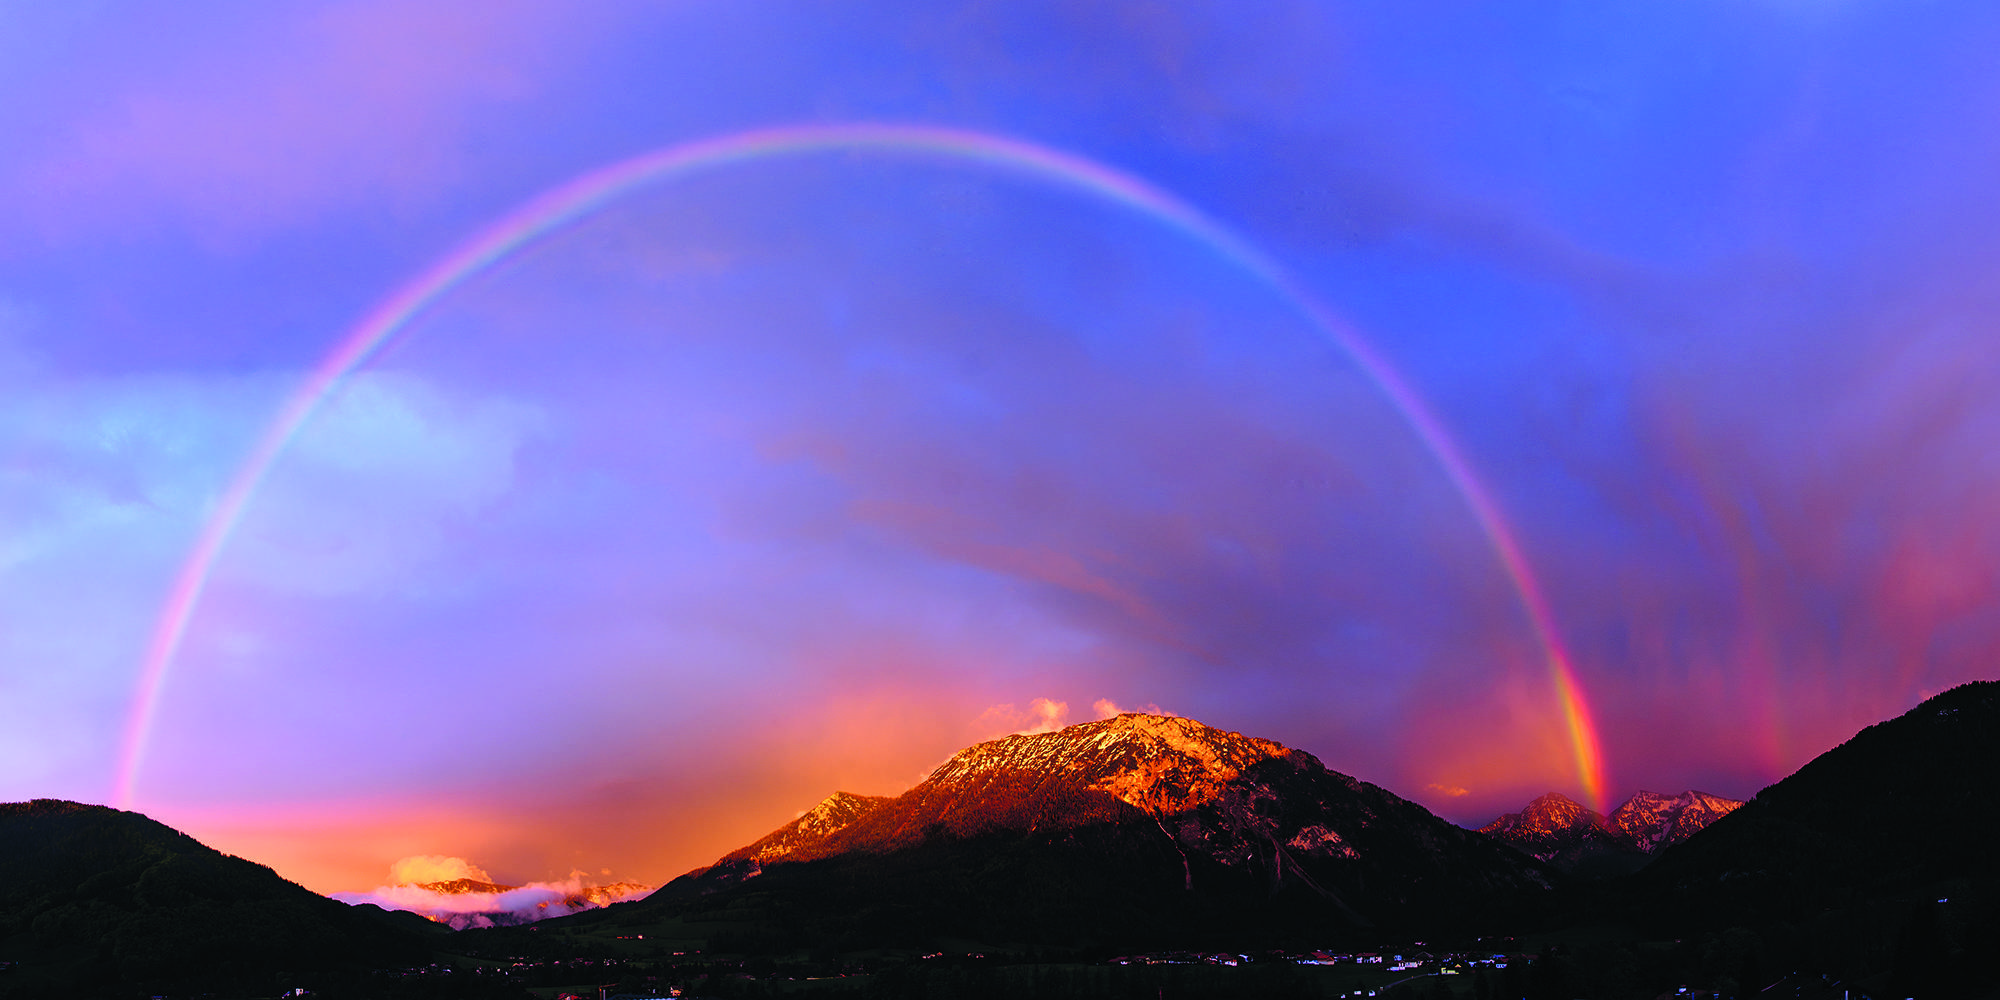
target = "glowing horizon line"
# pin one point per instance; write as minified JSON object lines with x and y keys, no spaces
{"x":581,"y":196}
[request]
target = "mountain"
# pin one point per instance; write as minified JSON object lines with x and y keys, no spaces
{"x":1583,"y":842}
{"x":802,"y":839}
{"x":463,"y":886}
{"x":1877,"y":855}
{"x":1568,"y":837}
{"x":95,"y":900}
{"x":806,"y":836}
{"x":1903,"y":806}
{"x":1654,"y":822}
{"x":1141,"y":829}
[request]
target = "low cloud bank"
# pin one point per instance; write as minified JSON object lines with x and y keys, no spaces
{"x":455,"y":892}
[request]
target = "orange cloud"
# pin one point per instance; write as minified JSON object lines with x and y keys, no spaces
{"x":1044,"y":715}
{"x":435,"y":868}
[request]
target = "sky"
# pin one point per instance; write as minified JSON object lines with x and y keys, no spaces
{"x":576,"y":437}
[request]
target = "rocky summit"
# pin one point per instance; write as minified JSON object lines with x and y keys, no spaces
{"x":1654,"y":822}
{"x":1161,"y":764}
{"x":1135,"y":827}
{"x":1581,"y":841}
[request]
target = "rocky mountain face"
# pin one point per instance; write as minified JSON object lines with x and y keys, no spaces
{"x":1159,"y":764}
{"x":1653,"y":822}
{"x":1581,"y":841}
{"x":464,"y":886}
{"x":804,"y":837}
{"x":1140,"y":826}
{"x":1568,"y":837}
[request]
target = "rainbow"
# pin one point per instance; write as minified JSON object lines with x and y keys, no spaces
{"x":591,"y":192}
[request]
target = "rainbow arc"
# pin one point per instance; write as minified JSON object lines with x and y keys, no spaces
{"x":591,"y":192}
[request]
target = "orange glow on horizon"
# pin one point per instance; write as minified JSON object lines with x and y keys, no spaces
{"x":1476,"y":751}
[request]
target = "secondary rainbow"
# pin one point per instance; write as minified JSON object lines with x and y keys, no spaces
{"x":586,"y":194}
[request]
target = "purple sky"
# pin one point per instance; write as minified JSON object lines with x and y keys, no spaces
{"x":800,"y":472}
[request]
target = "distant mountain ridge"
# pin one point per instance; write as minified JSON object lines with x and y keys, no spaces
{"x":1576,"y":839}
{"x":1655,"y":822}
{"x":1135,"y":827}
{"x":462,"y":886}
{"x":583,"y":897}
{"x":1567,"y":836}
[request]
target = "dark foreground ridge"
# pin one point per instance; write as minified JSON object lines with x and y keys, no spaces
{"x":1877,"y":857}
{"x":95,"y":901}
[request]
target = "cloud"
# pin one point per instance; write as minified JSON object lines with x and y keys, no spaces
{"x":371,"y":487}
{"x":1043,"y":715}
{"x":1106,"y":709}
{"x":1053,"y":715}
{"x":105,"y":480}
{"x":1046,"y":715}
{"x":436,"y":868}
{"x":414,"y":877}
{"x":1451,"y":790}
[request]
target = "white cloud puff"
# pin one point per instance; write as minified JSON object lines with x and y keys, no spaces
{"x":378,"y":483}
